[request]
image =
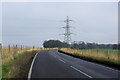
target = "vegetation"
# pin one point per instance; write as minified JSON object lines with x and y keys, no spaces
{"x":9,"y":52}
{"x":54,"y":43}
{"x":0,"y":60}
{"x":107,"y":57}
{"x":78,"y":45}
{"x":101,"y":53}
{"x":83,"y":45}
{"x":16,"y":60}
{"x":17,"y":67}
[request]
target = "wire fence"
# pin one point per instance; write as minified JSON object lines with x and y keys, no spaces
{"x":9,"y":51}
{"x":0,"y":61}
{"x":108,"y":54}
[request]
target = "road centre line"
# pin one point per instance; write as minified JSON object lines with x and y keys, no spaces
{"x":62,"y":61}
{"x":81,"y":72}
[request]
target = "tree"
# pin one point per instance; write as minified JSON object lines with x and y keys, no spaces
{"x":114,"y":46}
{"x":54,"y":43}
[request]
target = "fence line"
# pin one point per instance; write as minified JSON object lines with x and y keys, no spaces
{"x":0,"y":61}
{"x":9,"y":52}
{"x":95,"y":53}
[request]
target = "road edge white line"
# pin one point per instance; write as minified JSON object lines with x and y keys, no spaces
{"x":102,"y":65}
{"x":62,"y":61}
{"x":99,"y":64}
{"x":81,"y":72}
{"x":30,"y":71}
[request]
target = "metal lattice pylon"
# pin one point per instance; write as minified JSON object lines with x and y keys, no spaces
{"x":67,"y":34}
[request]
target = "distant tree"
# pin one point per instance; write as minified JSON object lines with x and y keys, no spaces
{"x":54,"y":43}
{"x":75,"y":46}
{"x":90,"y":46}
{"x":119,"y":46}
{"x":114,"y":46}
{"x":79,"y":45}
{"x":83,"y":45}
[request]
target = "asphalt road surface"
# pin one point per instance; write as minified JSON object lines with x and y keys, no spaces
{"x":53,"y":64}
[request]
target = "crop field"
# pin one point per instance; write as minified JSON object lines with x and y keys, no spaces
{"x":110,"y":55}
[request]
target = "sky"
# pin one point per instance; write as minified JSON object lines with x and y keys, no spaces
{"x":31,"y":23}
{"x":0,"y":22}
{"x":59,"y":0}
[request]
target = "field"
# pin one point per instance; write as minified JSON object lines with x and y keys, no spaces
{"x":107,"y":57}
{"x":103,"y":53}
{"x":9,"y":52}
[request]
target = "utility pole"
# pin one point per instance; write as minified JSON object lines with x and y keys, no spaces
{"x":67,"y":34}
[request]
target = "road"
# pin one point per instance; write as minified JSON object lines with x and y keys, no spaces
{"x":53,"y":64}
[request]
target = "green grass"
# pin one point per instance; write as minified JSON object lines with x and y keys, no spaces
{"x":16,"y":68}
{"x":0,"y":71}
{"x":7,"y":66}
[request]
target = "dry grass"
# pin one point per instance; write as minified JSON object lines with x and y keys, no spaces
{"x":20,"y":66}
{"x":97,"y":56}
{"x":9,"y":53}
{"x":13,"y":64}
{"x":17,"y":68}
{"x":94,"y":53}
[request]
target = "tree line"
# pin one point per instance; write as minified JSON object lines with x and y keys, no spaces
{"x":78,"y":45}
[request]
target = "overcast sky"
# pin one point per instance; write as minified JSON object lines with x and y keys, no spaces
{"x":32,"y":23}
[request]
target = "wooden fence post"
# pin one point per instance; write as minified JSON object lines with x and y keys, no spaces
{"x":33,"y":47}
{"x":1,"y":51}
{"x":16,"y":49}
{"x":21,"y":48}
{"x":108,"y":54}
{"x":13,"y":51}
{"x":97,"y":52}
{"x":89,"y":51}
{"x":9,"y":50}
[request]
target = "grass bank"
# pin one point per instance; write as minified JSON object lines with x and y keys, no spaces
{"x":101,"y":60}
{"x":17,"y":67}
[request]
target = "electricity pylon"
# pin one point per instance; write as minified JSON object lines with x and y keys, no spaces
{"x":67,"y":34}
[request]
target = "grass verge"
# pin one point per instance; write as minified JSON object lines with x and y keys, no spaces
{"x":17,"y":68}
{"x":103,"y":61}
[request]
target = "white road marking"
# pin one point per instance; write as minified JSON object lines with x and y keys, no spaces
{"x":30,"y":71}
{"x":62,"y":60}
{"x":101,"y":65}
{"x":81,"y":72}
{"x":53,"y":55}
